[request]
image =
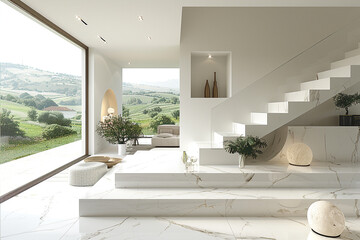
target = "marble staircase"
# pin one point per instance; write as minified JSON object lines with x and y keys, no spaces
{"x":343,"y":75}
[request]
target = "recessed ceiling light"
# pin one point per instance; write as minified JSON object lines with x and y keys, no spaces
{"x":209,"y":56}
{"x":129,"y":63}
{"x":81,"y":20}
{"x":149,"y":38}
{"x":102,"y":38}
{"x":140,"y":18}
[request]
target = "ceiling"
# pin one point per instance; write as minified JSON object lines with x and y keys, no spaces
{"x":127,"y":37}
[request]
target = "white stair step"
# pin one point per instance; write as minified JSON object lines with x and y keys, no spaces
{"x":253,"y":175}
{"x":355,"y":60}
{"x":278,"y":107}
{"x":337,"y":72}
{"x":221,"y":202}
{"x":321,"y":84}
{"x":239,"y":128}
{"x":217,"y":156}
{"x":220,"y":138}
{"x":258,"y":118}
{"x":324,"y":84}
{"x":299,"y":96}
{"x":352,"y":53}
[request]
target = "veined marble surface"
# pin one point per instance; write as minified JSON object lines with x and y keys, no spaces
{"x":328,"y":143}
{"x":105,"y":200}
{"x":49,"y":211}
{"x":165,"y":169}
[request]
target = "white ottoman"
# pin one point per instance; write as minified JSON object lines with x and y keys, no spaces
{"x":86,"y":173}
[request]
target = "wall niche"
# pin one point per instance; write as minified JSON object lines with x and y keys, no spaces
{"x":203,"y":66}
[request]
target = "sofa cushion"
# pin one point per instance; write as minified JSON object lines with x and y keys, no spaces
{"x":165,"y":135}
{"x":166,"y":130}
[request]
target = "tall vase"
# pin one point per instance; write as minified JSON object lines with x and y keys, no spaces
{"x":122,"y":149}
{"x":207,"y":89}
{"x":215,"y":93}
{"x":241,"y":161}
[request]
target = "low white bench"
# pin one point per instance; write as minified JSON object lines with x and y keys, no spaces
{"x":86,"y":173}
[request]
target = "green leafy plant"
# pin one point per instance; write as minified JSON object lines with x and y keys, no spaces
{"x":8,"y":126}
{"x":118,"y":129}
{"x":345,"y":101}
{"x":55,"y":131}
{"x":248,"y":146}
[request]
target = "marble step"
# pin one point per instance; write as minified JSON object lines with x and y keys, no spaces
{"x":323,"y":84}
{"x":221,"y":202}
{"x":268,"y":175}
{"x":354,"y":60}
{"x":201,"y":228}
{"x":337,"y":72}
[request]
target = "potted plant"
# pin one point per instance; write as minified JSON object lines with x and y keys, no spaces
{"x":118,"y":130}
{"x":248,"y":146}
{"x":345,"y":101}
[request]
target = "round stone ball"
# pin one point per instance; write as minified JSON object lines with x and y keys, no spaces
{"x":326,"y":219}
{"x":299,"y":154}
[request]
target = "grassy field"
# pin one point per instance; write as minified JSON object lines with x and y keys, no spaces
{"x":11,"y":152}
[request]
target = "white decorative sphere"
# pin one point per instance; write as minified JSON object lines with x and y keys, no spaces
{"x":299,"y":154}
{"x":326,"y":219}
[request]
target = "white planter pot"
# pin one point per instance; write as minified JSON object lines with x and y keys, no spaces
{"x":122,"y":149}
{"x":241,"y":161}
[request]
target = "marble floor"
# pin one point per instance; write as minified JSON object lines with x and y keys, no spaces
{"x":50,"y":210}
{"x":17,"y":172}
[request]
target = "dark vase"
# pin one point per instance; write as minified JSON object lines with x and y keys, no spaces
{"x":345,"y":120}
{"x":207,"y":89}
{"x":356,"y":120}
{"x":215,"y":88}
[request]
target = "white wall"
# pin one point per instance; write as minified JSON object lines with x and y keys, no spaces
{"x":104,"y":74}
{"x":260,"y":40}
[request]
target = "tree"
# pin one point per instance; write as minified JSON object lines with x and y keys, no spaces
{"x":175,"y":100}
{"x":156,"y":109}
{"x":345,"y":101}
{"x":160,"y":120}
{"x":48,"y":103}
{"x":32,"y":114}
{"x":54,"y":118}
{"x":8,"y":126}
{"x":153,"y":114}
{"x":125,"y":111}
{"x":176,"y":114}
{"x":145,"y":111}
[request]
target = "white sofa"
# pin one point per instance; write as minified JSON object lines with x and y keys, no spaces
{"x":167,"y":136}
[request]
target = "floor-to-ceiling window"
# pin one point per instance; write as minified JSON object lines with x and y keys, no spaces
{"x":42,"y":82}
{"x":151,"y":97}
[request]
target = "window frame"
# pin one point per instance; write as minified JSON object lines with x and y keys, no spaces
{"x":23,"y":8}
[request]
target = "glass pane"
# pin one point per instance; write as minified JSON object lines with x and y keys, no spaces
{"x":151,"y":97}
{"x":41,"y":91}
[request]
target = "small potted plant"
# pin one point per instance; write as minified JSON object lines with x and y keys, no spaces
{"x":345,"y":101}
{"x":118,"y":130}
{"x":248,"y":146}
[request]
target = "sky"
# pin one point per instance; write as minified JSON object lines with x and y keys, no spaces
{"x":149,"y":75}
{"x":25,"y":41}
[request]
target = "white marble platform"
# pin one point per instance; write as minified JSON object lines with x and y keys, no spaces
{"x":105,"y":200}
{"x":164,"y":169}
